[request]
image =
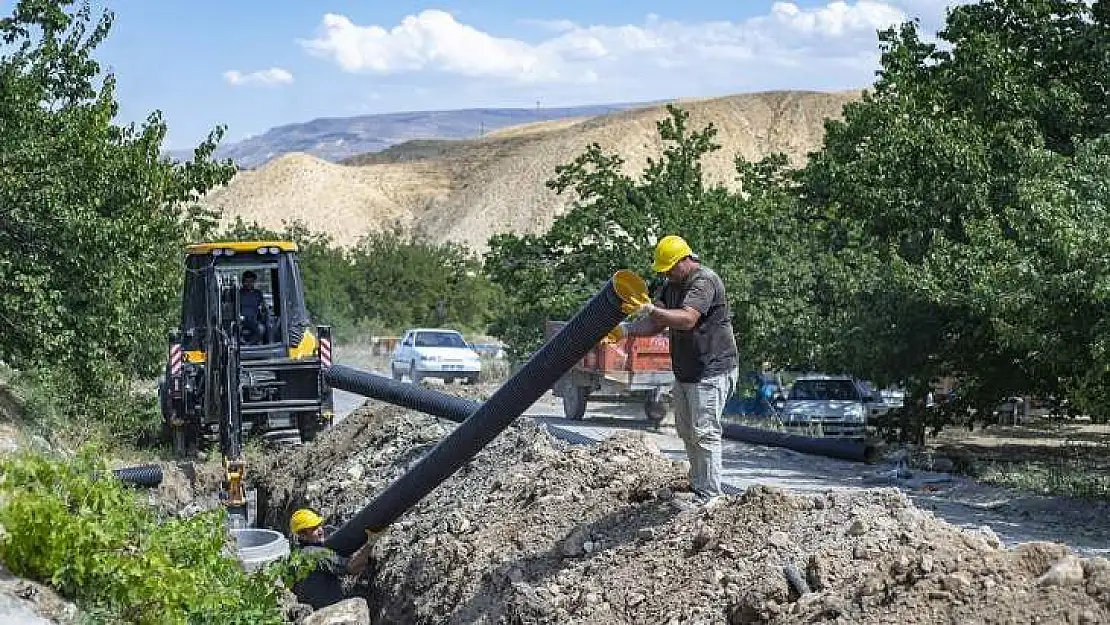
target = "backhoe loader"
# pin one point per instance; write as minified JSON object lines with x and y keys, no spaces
{"x":246,"y":359}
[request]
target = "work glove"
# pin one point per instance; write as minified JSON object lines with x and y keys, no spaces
{"x":616,"y":334}
{"x":641,"y":304}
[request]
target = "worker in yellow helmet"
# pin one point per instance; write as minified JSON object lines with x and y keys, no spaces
{"x":693,"y":306}
{"x":323,"y":586}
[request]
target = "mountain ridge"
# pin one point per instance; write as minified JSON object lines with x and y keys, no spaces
{"x":337,"y":138}
{"x":466,"y":190}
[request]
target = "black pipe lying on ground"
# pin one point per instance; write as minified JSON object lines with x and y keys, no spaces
{"x":592,"y":322}
{"x":398,"y":393}
{"x":843,"y":448}
{"x":149,"y":475}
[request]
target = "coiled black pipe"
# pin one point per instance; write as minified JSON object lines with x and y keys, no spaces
{"x":592,"y":322}
{"x":843,"y":448}
{"x":398,"y":393}
{"x":149,"y":475}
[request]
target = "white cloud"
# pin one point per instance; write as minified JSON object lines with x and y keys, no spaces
{"x":837,"y":18}
{"x":266,"y":77}
{"x":788,"y":35}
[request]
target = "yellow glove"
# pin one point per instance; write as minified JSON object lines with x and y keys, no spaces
{"x":616,"y":334}
{"x":636,"y":305}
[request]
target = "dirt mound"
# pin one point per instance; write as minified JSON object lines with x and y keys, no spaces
{"x":535,"y":530}
{"x":467,"y":190}
{"x":343,"y":201}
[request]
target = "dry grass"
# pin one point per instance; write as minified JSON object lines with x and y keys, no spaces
{"x":467,"y":190}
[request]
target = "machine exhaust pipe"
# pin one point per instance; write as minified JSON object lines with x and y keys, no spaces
{"x":398,"y":393}
{"x":592,"y":322}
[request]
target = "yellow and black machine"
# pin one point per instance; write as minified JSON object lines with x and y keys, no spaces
{"x":246,"y":359}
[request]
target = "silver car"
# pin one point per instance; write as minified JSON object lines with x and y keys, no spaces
{"x":826,"y":405}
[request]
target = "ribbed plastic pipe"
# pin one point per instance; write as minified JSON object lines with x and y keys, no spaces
{"x":147,"y":475}
{"x":398,"y":393}
{"x":592,"y":322}
{"x":842,"y":448}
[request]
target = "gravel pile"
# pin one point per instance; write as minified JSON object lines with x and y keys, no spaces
{"x":535,"y":530}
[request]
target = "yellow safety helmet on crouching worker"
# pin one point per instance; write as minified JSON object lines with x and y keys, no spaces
{"x":304,"y":519}
{"x":670,"y":249}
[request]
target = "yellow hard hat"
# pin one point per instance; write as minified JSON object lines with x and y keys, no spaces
{"x":304,"y":519}
{"x":670,"y":249}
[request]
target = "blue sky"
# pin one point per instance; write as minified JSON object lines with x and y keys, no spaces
{"x":253,"y":65}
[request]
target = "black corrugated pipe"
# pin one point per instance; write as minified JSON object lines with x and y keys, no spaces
{"x":146,"y":475}
{"x":843,"y":448}
{"x":398,"y":393}
{"x":592,"y":322}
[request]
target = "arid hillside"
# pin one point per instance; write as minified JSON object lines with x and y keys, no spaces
{"x":467,"y":190}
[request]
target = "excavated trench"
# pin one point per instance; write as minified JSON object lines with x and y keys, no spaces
{"x":536,"y":530}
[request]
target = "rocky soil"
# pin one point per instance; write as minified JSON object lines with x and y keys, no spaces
{"x":535,"y":530}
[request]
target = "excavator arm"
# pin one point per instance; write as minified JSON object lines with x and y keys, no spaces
{"x":223,"y":391}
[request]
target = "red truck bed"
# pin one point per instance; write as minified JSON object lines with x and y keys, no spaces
{"x":644,"y":354}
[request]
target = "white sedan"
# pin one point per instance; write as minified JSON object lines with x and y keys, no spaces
{"x":435,"y":353}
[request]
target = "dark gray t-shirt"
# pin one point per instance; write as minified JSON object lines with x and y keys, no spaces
{"x":708,"y":349}
{"x":250,"y":303}
{"x":322,"y":587}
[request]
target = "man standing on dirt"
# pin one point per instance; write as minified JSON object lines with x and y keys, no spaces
{"x":323,"y":587}
{"x":694,"y":307}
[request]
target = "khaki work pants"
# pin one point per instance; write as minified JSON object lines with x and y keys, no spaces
{"x":697,"y":417}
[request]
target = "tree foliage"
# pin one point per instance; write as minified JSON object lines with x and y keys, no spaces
{"x":388,"y":281}
{"x":91,"y":216}
{"x":974,"y":178}
{"x":616,"y":220}
{"x":70,"y":524}
{"x":953,"y":224}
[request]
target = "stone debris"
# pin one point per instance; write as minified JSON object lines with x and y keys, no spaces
{"x":535,"y":530}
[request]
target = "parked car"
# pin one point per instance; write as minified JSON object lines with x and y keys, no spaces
{"x":882,"y":400}
{"x":435,"y":353}
{"x":836,"y":403}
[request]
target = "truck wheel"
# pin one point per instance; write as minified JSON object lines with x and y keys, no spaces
{"x":414,"y":375}
{"x":472,"y":380}
{"x":574,"y":403}
{"x":396,"y":375}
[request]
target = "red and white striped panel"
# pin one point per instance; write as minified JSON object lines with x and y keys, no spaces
{"x":175,"y":358}
{"x":325,"y":352}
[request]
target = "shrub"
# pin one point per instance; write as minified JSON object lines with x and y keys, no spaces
{"x":70,"y":524}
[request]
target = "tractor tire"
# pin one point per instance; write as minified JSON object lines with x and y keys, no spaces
{"x":574,"y":403}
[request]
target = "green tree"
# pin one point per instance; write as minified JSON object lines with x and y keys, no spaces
{"x":756,"y":240}
{"x":968,"y":181}
{"x":92,"y":218}
{"x":389,"y":280}
{"x":401,"y":280}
